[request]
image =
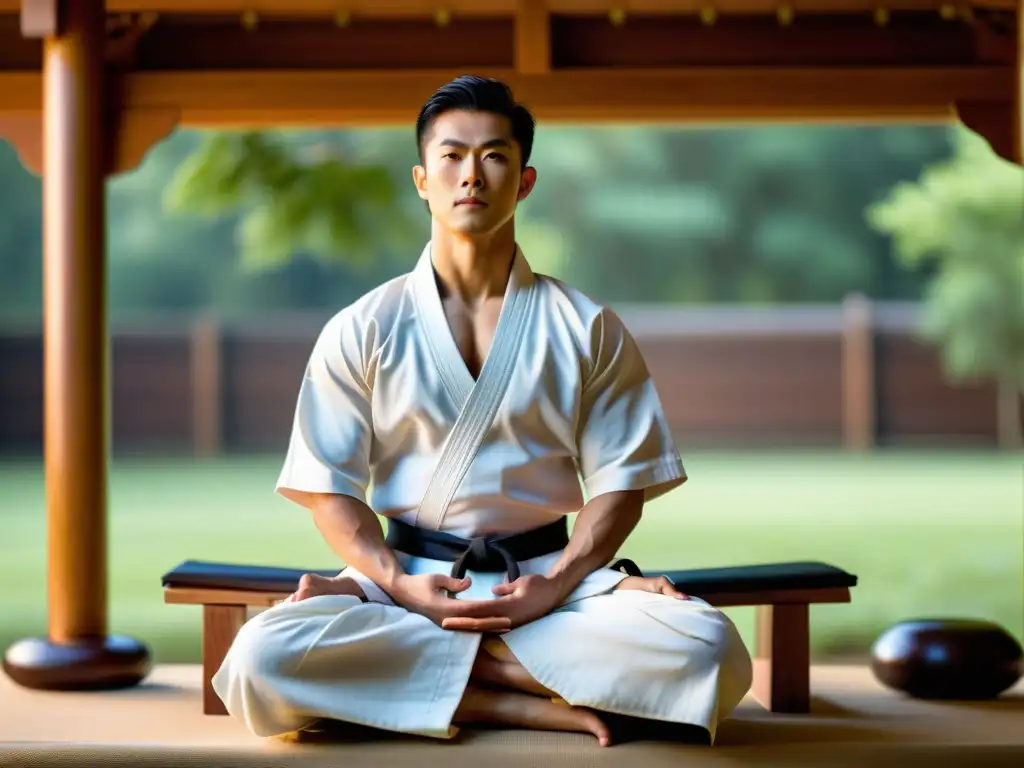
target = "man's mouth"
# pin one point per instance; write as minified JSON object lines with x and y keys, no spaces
{"x":470,"y":201}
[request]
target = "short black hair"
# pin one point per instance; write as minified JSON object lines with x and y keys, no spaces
{"x":478,"y":94}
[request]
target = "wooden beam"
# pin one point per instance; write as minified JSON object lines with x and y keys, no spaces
{"x":725,"y":94}
{"x":534,"y":43}
{"x":424,"y":8}
{"x":818,"y":41}
{"x":532,"y":38}
{"x":573,"y":96}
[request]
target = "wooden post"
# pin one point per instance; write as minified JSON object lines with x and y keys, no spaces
{"x":858,"y":377}
{"x":221,"y":624}
{"x":207,"y":414}
{"x":77,"y":653}
{"x":782,"y":658}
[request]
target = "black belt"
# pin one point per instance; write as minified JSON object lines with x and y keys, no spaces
{"x":486,"y":554}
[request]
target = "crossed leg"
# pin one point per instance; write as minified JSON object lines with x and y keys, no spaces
{"x":501,"y":691}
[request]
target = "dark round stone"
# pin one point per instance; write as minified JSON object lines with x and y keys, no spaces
{"x":92,"y":664}
{"x":947,"y":659}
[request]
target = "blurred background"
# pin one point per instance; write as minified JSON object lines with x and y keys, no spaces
{"x":834,"y":317}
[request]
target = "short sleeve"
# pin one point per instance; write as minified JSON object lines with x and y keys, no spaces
{"x":329,"y":448}
{"x":623,"y":439}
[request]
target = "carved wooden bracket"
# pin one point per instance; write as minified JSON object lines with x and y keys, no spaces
{"x":130,"y":133}
{"x":996,"y":122}
{"x":24,"y":132}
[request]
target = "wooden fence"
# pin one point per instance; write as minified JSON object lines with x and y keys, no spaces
{"x":850,"y":375}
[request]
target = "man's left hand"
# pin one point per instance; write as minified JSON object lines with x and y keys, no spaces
{"x":523,"y":600}
{"x":658,"y":585}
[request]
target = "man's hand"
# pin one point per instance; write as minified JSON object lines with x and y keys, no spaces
{"x":658,"y":585}
{"x":430,"y":595}
{"x":519,"y":602}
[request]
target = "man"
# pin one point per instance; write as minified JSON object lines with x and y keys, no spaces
{"x":475,"y":395}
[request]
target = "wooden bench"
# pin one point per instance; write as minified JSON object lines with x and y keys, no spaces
{"x":781,"y":592}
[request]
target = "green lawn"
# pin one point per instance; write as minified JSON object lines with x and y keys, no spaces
{"x":936,"y":533}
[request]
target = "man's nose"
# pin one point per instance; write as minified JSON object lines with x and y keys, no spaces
{"x":471,"y":175}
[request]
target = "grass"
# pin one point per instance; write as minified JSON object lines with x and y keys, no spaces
{"x":928,"y":533}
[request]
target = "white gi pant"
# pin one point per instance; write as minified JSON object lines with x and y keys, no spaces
{"x":376,"y":664}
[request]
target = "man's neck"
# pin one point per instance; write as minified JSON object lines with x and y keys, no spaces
{"x":473,"y":269}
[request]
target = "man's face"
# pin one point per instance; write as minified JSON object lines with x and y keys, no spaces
{"x":470,"y":175}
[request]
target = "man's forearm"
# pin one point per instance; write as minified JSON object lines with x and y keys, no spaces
{"x":602,"y":526}
{"x":353,"y":532}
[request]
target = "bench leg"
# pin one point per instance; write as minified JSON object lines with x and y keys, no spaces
{"x":220,"y":626}
{"x":782,"y":660}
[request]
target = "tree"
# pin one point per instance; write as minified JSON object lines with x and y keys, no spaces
{"x":753,"y":215}
{"x":966,"y":217}
{"x":291,"y":199}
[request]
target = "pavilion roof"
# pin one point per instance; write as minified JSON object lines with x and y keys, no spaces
{"x":260,"y":62}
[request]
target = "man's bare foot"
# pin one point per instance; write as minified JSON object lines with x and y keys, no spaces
{"x":526,"y":711}
{"x":658,"y":585}
{"x":312,"y":585}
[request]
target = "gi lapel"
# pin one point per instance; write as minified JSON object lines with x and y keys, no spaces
{"x":479,"y":400}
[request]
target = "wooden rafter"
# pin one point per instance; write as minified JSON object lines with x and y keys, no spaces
{"x":399,"y":8}
{"x":535,"y":42}
{"x":569,"y":60}
{"x":532,"y":37}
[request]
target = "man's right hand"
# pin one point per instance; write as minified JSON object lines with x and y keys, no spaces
{"x":430,"y":595}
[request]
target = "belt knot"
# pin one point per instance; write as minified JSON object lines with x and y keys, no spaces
{"x":481,"y":551}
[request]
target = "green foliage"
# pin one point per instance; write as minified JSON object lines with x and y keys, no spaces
{"x":21,"y":234}
{"x":752,"y":215}
{"x":240,"y":224}
{"x":317,"y":203}
{"x":966,"y":217}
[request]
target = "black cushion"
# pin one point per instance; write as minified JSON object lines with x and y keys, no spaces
{"x":759,"y":578}
{"x":699,"y":581}
{"x":261,"y":578}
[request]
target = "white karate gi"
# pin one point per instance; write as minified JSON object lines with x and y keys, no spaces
{"x":383,"y":389}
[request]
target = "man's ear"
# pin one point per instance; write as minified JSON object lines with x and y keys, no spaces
{"x":527,"y":182}
{"x":419,"y":178}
